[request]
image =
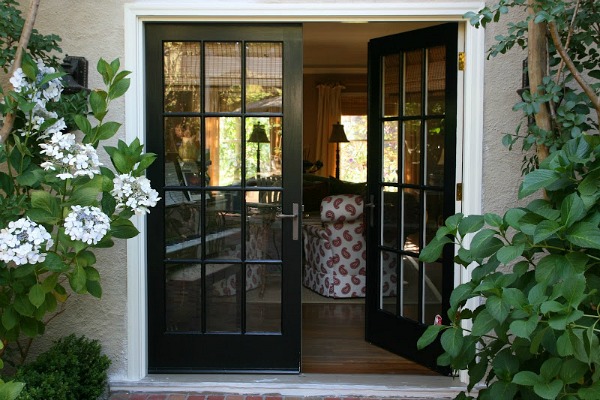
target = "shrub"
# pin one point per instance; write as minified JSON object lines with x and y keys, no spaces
{"x":72,"y":369}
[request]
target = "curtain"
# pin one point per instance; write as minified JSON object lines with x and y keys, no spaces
{"x":329,"y":112}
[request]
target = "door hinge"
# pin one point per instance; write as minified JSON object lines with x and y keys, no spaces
{"x":459,"y":192}
{"x":462,"y":61}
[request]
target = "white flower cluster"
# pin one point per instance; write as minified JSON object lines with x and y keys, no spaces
{"x":23,"y":242}
{"x":87,"y":224}
{"x":135,"y":193}
{"x":32,"y":91}
{"x":72,"y":159}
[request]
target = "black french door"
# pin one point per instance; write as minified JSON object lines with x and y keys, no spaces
{"x":411,"y":185}
{"x":223,"y":106}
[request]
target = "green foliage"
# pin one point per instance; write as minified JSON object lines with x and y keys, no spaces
{"x":527,"y":323}
{"x":73,"y":368}
{"x":11,"y":26}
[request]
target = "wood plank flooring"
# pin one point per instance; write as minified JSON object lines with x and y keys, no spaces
{"x":333,"y":342}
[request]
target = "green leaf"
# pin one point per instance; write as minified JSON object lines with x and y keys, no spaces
{"x":572,"y":210}
{"x":497,"y":308}
{"x":54,"y":263}
{"x":550,"y":368}
{"x":508,"y":253}
{"x":484,"y":244}
{"x":107,"y":130}
{"x":584,"y":234}
{"x":11,"y":390}
{"x":526,"y":378}
{"x":45,"y":201}
{"x":37,"y":295}
{"x":118,"y":89}
{"x":84,"y":196}
{"x":544,"y":209}
{"x":430,"y":334}
{"x":513,"y":217}
{"x":572,"y":370}
{"x":23,"y":306}
{"x":548,"y":390}
{"x":545,"y":230}
{"x":10,"y":318}
{"x":123,"y":229}
{"x":94,"y":288}
{"x":503,"y":390}
{"x":536,"y":180}
{"x":493,"y":220}
{"x":550,"y":269}
{"x":98,"y":105}
{"x":452,"y":340}
{"x":23,"y":270}
{"x":590,"y":393}
{"x":83,"y":124}
{"x":559,"y":322}
{"x":483,"y":324}
{"x":433,"y":250}
{"x":524,"y":328}
{"x":505,"y":364}
{"x":78,"y":279}
{"x":470,"y":224}
{"x":461,"y":293}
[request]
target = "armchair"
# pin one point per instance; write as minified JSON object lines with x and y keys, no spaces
{"x":335,"y":253}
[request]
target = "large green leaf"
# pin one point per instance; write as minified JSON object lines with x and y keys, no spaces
{"x":572,"y":370}
{"x":470,"y":224}
{"x":590,"y":393}
{"x":37,"y":295}
{"x":572,"y":210}
{"x":526,"y":378}
{"x":545,"y":230}
{"x":433,"y":250}
{"x":584,"y":234}
{"x":10,"y":390}
{"x":536,"y":180}
{"x":10,"y":318}
{"x":430,"y":334}
{"x":503,"y":390}
{"x":550,"y":269}
{"x":497,"y":308}
{"x":508,"y":253}
{"x":78,"y":279}
{"x":452,"y":341}
{"x":505,"y":364}
{"x":548,"y":390}
{"x":123,"y":229}
{"x":484,"y":323}
{"x":524,"y":328}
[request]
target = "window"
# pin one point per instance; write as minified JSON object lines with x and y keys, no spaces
{"x":353,"y":155}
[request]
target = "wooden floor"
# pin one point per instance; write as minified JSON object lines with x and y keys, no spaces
{"x":333,"y":342}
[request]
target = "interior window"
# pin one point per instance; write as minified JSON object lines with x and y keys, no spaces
{"x":353,"y":154}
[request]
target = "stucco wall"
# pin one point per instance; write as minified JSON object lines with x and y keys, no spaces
{"x":94,"y":29}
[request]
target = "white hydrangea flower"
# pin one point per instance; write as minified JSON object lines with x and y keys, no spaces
{"x":87,"y":224}
{"x":70,"y":158}
{"x":23,"y":242}
{"x":38,"y":117}
{"x":18,"y":80}
{"x":135,"y":193}
{"x":33,"y":91}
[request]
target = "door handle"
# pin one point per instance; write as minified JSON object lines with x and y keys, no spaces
{"x":294,"y":216}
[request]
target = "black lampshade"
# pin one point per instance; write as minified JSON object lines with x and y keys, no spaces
{"x":337,"y":134}
{"x":258,"y":135}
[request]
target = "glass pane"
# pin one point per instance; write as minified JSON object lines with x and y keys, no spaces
{"x":223,"y":152}
{"x":223,"y":227}
{"x":391,"y":85}
{"x":389,"y":281}
{"x":434,"y":206}
{"x":410,"y":287}
{"x":433,"y":292}
{"x":223,"y":76}
{"x":183,"y":297}
{"x":182,"y":138}
{"x":182,"y":76}
{"x":411,"y":219}
{"x":182,"y":229}
{"x":412,"y":152}
{"x":390,"y":151}
{"x":264,"y":77}
{"x":263,"y":240}
{"x":223,"y":297}
{"x":435,"y":152}
{"x":436,"y":80}
{"x":263,"y":147}
{"x":413,"y":79}
{"x":263,"y":298}
{"x":391,"y":205}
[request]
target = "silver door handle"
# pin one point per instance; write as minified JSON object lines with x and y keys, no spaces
{"x":294,"y":216}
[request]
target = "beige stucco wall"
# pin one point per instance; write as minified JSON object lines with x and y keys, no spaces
{"x":94,"y":29}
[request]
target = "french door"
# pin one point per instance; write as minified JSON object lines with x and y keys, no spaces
{"x":223,"y":106}
{"x":411,"y":185}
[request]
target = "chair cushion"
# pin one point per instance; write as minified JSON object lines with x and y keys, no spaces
{"x":341,"y":207}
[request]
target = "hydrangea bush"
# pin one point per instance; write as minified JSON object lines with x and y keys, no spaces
{"x":58,"y":202}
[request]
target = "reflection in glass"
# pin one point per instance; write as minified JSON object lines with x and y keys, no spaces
{"x":181,"y":76}
{"x":264,"y":77}
{"x":390,"y":151}
{"x":182,"y":228}
{"x":391,"y":205}
{"x":263,"y":298}
{"x":223,"y":76}
{"x":410,"y":287}
{"x":183,"y":297}
{"x":182,"y":138}
{"x":223,"y":152}
{"x":223,"y":297}
{"x":412,"y":152}
{"x":433,"y":291}
{"x":389,"y":278}
{"x":391,"y":75}
{"x":436,"y":80}
{"x":263,"y":240}
{"x":223,"y":227}
{"x":435,"y":152}
{"x":263,"y":147}
{"x":411,"y":220}
{"x":434,"y":210}
{"x":413,"y":79}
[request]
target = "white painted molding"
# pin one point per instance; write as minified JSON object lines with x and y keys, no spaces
{"x":135,"y":14}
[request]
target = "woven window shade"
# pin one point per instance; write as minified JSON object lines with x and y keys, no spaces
{"x":354,"y":103}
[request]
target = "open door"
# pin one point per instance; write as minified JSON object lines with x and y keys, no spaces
{"x":223,"y":106}
{"x":412,"y":162}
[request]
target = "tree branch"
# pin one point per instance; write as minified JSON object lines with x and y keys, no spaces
{"x":587,"y":89}
{"x":9,"y":119}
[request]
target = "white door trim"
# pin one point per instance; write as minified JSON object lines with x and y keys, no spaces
{"x":136,"y":14}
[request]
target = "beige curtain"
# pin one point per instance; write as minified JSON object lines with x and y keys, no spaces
{"x":329,"y":112}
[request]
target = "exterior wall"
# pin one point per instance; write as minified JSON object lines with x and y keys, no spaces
{"x":94,"y":29}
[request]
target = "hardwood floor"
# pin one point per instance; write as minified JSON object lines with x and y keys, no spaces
{"x":333,"y":342}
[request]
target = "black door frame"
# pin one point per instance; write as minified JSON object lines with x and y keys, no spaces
{"x":246,"y":353}
{"x":394,"y":333}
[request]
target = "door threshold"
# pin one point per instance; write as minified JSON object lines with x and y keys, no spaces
{"x":364,"y":385}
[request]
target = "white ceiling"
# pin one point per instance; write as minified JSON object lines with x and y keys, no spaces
{"x":331,"y":47}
